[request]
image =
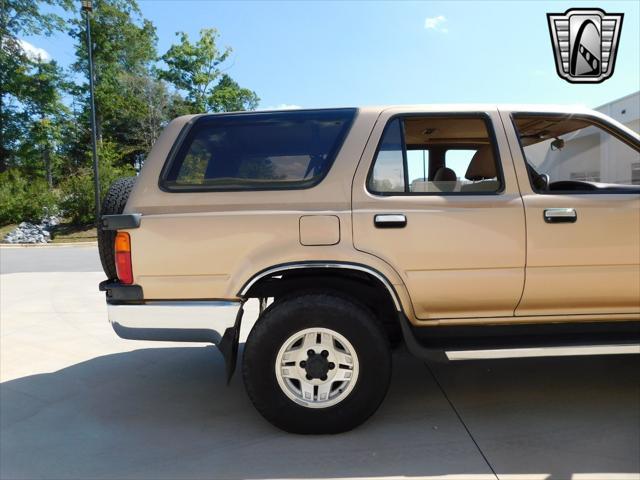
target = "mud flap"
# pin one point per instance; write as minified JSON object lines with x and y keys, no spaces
{"x":433,"y":355}
{"x":229,"y":344}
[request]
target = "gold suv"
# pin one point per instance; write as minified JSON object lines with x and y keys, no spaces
{"x":445,"y":227}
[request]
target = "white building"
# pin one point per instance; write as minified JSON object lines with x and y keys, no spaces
{"x":626,"y":110}
{"x":590,"y":154}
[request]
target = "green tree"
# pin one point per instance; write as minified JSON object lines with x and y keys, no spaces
{"x":25,"y":198}
{"x":196,"y":70}
{"x":24,"y":17}
{"x":228,"y":96}
{"x":77,"y":190}
{"x":123,"y":46}
{"x":20,"y":18}
{"x":47,"y":115}
{"x":146,"y":105}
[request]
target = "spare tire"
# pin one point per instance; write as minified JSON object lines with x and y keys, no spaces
{"x":113,"y":204}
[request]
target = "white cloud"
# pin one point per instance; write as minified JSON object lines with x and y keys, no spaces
{"x":283,"y":106}
{"x":33,"y":52}
{"x":436,"y":23}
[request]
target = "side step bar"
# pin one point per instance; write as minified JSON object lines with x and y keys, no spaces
{"x":570,"y":351}
{"x":441,"y":343}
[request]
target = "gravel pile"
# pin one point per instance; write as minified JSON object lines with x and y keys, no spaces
{"x":31,"y":233}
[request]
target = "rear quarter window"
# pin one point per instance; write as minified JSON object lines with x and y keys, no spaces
{"x":257,"y":151}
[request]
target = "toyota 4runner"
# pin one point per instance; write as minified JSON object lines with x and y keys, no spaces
{"x":443,"y":227}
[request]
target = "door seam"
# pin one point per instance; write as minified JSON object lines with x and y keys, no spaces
{"x":524,"y":215}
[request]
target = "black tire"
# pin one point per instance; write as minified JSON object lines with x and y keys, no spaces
{"x":317,"y":310}
{"x":113,"y":204}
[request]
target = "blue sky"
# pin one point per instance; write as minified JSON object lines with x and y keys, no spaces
{"x":319,"y":54}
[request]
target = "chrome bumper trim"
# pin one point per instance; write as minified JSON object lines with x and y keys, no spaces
{"x":174,"y":321}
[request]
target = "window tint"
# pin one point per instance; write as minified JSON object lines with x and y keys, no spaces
{"x":575,"y":154}
{"x":259,"y":150}
{"x":388,"y":170}
{"x":435,"y":156}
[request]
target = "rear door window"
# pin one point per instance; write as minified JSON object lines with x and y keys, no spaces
{"x":258,"y":151}
{"x":434,"y":155}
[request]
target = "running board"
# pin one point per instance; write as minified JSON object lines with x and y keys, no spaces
{"x":438,"y":344}
{"x":456,"y":355}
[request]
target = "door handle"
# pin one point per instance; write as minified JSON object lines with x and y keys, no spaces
{"x":560,"y":215}
{"x":393,"y":220}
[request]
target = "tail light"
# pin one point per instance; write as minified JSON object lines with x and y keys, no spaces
{"x":123,"y":258}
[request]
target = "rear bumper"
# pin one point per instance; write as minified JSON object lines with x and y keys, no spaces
{"x":174,"y":321}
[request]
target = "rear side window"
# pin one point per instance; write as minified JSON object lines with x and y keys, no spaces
{"x":258,"y":151}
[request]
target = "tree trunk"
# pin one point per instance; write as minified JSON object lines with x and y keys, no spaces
{"x":98,"y":127}
{"x":4,"y":154}
{"x":3,"y":158}
{"x":47,"y":164}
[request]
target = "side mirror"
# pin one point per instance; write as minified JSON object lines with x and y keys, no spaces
{"x":546,"y":179}
{"x":541,"y":182}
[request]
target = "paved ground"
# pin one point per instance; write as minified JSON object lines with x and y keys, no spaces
{"x":49,"y":259}
{"x":77,"y":402}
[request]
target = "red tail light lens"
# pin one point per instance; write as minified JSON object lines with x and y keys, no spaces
{"x":123,"y":258}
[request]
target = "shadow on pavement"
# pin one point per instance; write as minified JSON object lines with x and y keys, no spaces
{"x":555,"y":415}
{"x":166,"y":413}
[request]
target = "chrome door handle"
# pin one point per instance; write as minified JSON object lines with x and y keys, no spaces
{"x":560,"y":215}
{"x":393,"y":220}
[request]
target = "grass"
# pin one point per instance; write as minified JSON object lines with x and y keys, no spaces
{"x":64,"y":233}
{"x":6,"y":229}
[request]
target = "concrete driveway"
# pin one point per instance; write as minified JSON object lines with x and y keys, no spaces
{"x":81,"y":258}
{"x":78,"y":402}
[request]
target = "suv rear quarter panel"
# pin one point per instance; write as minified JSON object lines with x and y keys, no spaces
{"x":208,"y":244}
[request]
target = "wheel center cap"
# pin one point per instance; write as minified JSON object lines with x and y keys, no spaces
{"x":317,"y":366}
